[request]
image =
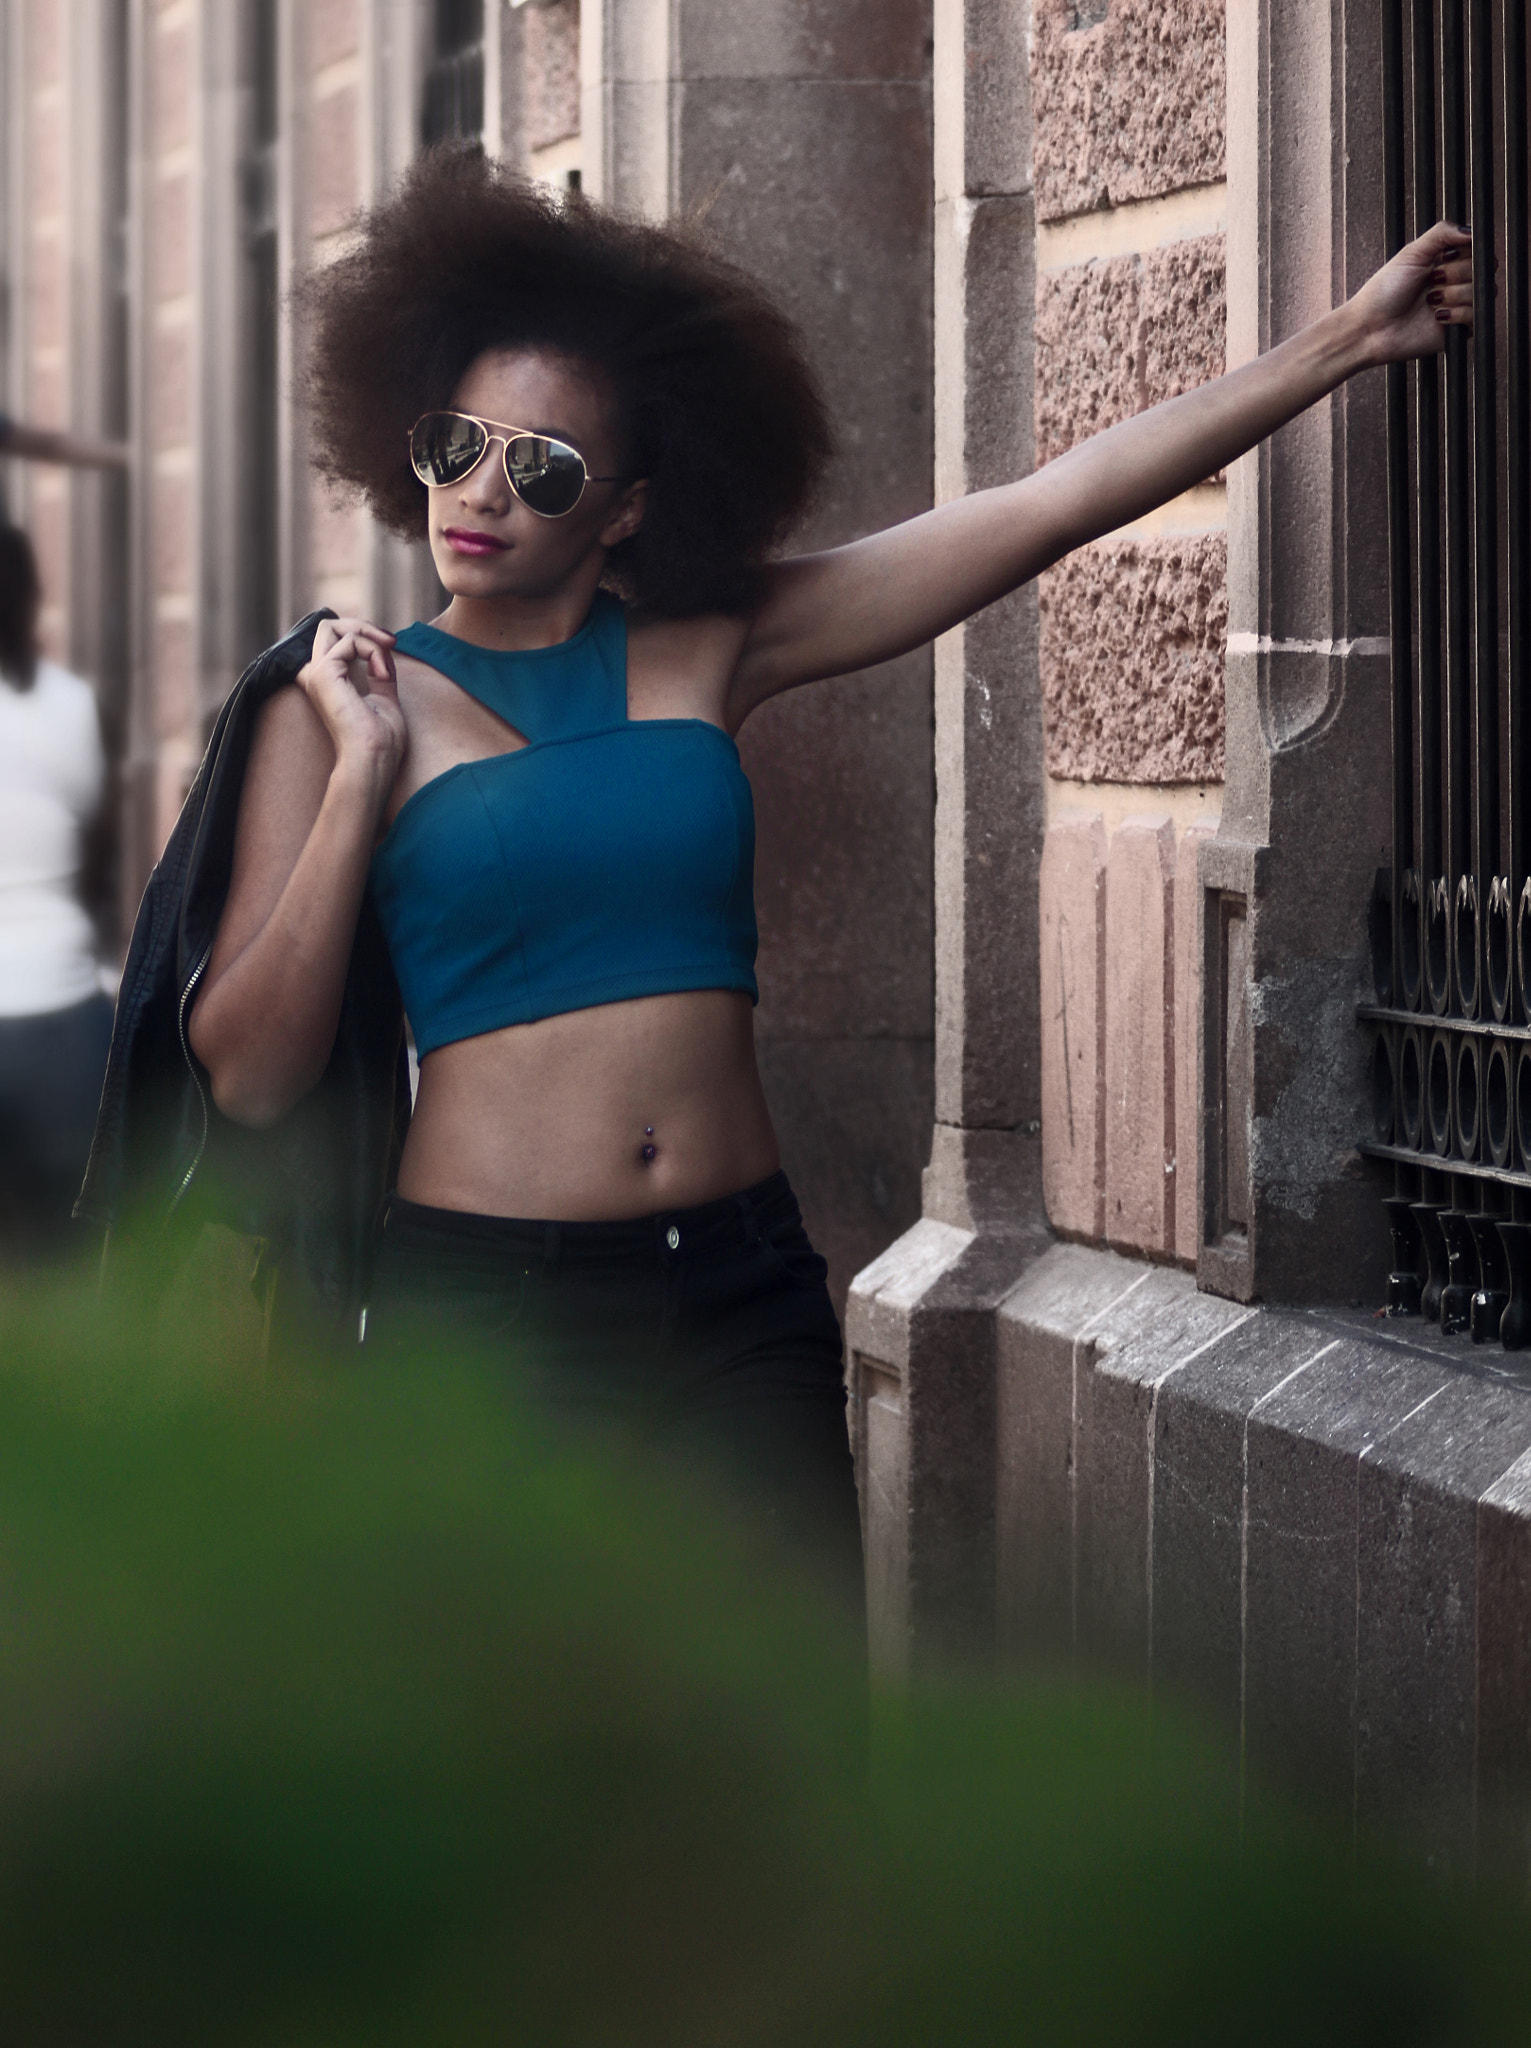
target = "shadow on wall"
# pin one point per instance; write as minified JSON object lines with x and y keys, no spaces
{"x":354,"y":1707}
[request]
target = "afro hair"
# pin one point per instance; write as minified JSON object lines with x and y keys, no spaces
{"x":716,"y":397}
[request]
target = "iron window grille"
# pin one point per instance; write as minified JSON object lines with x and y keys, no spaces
{"x":1451,"y":927}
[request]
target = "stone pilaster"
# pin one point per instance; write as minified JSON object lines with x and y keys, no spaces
{"x":1287,"y":1211}
{"x":920,"y":1322}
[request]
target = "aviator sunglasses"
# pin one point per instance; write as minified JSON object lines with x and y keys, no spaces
{"x":549,"y":477}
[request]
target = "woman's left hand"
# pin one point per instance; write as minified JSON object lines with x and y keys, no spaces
{"x":1407,"y":307}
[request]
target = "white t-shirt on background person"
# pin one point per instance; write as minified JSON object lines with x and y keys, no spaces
{"x":52,"y":773}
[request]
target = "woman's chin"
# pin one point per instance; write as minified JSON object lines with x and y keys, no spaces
{"x":474,"y":575}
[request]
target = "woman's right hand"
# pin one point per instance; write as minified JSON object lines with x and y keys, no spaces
{"x":350,"y":681}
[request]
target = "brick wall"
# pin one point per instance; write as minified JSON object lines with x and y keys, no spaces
{"x":1128,"y":111}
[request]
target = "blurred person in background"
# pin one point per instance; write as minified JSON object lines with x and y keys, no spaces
{"x":55,"y":1019}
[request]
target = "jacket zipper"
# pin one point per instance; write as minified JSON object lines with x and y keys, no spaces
{"x":186,"y":995}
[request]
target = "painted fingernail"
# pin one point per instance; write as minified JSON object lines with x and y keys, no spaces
{"x":1437,"y":277}
{"x":1443,"y":317}
{"x":1432,"y":298}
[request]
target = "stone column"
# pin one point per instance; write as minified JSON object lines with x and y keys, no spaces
{"x":1288,"y":1212}
{"x":920,"y":1320}
{"x":802,"y":134}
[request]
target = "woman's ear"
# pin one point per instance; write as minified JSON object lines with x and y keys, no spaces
{"x":626,"y":515}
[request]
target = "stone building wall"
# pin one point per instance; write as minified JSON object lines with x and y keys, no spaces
{"x":1128,"y":136}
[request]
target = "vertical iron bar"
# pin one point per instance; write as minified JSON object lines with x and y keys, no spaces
{"x":1459,"y":780}
{"x":1399,"y":594}
{"x":1485,"y":547}
{"x":1427,"y":389}
{"x":1517,"y":261}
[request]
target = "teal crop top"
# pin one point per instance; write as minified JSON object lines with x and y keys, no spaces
{"x":608,"y":858}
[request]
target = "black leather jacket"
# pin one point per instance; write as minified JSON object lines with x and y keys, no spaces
{"x":165,"y":1160}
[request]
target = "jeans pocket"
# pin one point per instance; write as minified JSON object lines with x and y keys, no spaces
{"x":791,"y":1252}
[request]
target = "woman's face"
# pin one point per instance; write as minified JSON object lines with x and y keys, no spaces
{"x":485,"y":542}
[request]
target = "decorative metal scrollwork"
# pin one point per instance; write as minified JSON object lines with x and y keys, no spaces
{"x":1450,"y":1066}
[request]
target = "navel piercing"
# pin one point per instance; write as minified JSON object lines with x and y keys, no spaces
{"x":648,"y":1151}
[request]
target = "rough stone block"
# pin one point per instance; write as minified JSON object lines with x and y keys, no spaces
{"x":1123,"y":333}
{"x":1127,"y":101}
{"x":1188,"y":1038}
{"x":1137,"y":1343}
{"x":1304,"y":1444}
{"x":1073,"y":966}
{"x":1183,"y":311}
{"x":334,"y":166}
{"x":1416,"y":1650}
{"x":1088,"y":342}
{"x":550,"y":72}
{"x":1140,"y":1037}
{"x":1042,"y":1347}
{"x":1134,"y":634}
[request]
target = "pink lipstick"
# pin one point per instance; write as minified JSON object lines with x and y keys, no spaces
{"x":464,"y":540}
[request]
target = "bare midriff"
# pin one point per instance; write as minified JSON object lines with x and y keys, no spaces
{"x":595,"y":1116}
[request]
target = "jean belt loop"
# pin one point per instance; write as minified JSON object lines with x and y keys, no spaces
{"x":552,"y":1245}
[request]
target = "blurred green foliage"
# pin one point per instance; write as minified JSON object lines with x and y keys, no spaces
{"x":347,"y":1706}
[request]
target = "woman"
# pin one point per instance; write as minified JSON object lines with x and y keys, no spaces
{"x":55,"y":1020}
{"x":541,"y":789}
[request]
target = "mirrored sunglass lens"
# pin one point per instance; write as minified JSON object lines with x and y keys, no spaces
{"x":445,"y":446}
{"x":549,"y":475}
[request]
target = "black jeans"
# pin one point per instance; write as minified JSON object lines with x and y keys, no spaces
{"x":51,"y":1069}
{"x":709,"y":1330}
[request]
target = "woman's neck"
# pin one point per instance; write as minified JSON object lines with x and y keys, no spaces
{"x":515,"y":622}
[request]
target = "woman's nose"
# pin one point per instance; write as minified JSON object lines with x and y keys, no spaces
{"x":485,"y":488}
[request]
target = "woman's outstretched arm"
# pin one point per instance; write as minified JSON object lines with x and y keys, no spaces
{"x":849,"y":607}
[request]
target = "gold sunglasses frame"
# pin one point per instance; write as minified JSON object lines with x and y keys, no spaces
{"x":497,"y":430}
